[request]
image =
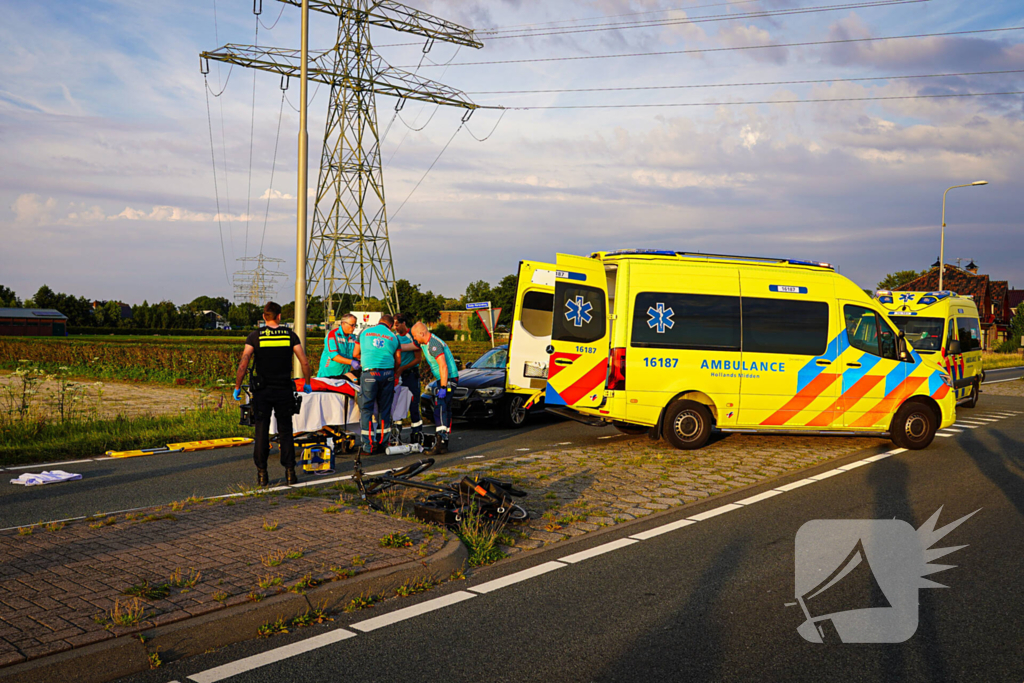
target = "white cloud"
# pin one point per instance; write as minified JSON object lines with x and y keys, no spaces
{"x":31,"y":209}
{"x":277,"y":194}
{"x":176,"y":213}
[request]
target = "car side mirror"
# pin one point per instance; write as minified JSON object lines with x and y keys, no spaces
{"x":469,"y":365}
{"x":953,"y":347}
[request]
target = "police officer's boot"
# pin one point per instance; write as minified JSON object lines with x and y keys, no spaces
{"x":290,"y":478}
{"x":440,"y":445}
{"x":262,"y":478}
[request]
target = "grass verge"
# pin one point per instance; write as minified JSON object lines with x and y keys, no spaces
{"x":991,"y":360}
{"x":25,"y":442}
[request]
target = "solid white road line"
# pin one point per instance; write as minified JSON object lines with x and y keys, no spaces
{"x":851,"y":465}
{"x":826,"y":475}
{"x":876,"y":458}
{"x":714,"y":512}
{"x":269,"y":657}
{"x":759,"y":497}
{"x":997,"y":381}
{"x":663,"y":529}
{"x":49,"y":464}
{"x":410,"y":612}
{"x":598,"y":550}
{"x":517,"y":577}
{"x":794,"y":485}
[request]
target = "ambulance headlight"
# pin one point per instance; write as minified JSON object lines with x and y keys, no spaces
{"x":946,"y":379}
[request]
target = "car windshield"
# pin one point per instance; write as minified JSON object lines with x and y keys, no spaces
{"x":924,"y":334}
{"x":492,"y":360}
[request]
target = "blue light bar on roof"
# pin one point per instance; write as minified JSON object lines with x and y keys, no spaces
{"x":652,"y":252}
{"x":816,"y":264}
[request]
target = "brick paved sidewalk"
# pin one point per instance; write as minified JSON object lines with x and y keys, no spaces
{"x":68,"y":585}
{"x":576,"y":490}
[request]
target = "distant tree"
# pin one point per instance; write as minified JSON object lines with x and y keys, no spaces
{"x":244,"y":316}
{"x":504,"y":296}
{"x":425,"y":306}
{"x":218,"y":304}
{"x":8,"y":299}
{"x":899,"y":278}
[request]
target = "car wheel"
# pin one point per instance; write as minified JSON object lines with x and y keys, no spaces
{"x":914,"y":426}
{"x":513,"y":414}
{"x":975,"y":391}
{"x":687,"y":425}
{"x":630,"y":429}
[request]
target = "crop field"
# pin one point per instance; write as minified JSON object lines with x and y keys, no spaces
{"x":199,"y":361}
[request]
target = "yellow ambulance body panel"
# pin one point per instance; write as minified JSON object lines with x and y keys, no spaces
{"x":930,"y":321}
{"x":686,"y":342}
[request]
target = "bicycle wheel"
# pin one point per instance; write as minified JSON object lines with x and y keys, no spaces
{"x":412,"y":470}
{"x":518,"y":515}
{"x":375,"y":485}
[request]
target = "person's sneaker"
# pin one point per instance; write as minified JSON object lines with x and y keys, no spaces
{"x":262,"y":478}
{"x":290,"y":478}
{"x":440,"y":447}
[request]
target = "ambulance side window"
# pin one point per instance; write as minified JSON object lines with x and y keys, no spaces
{"x":969,"y":333}
{"x":784,"y":326}
{"x":663,"y":320}
{"x":868,"y":332}
{"x":579,"y":314}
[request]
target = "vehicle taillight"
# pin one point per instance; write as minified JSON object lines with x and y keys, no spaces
{"x":617,"y":376}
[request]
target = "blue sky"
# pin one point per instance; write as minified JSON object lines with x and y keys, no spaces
{"x":107,"y":190}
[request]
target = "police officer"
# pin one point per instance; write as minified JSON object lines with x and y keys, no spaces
{"x":273,"y":390}
{"x":409,"y":372}
{"x":338,"y":358}
{"x":378,"y":353}
{"x":442,"y":362}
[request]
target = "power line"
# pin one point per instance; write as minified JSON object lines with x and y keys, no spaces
{"x":738,"y":85}
{"x":279,"y":15}
{"x":731,"y":49}
{"x":429,"y":169}
{"x":498,"y":29}
{"x":654,"y":23}
{"x":252,"y":135}
{"x":273,"y":167}
{"x":749,"y":102}
{"x":216,"y":193}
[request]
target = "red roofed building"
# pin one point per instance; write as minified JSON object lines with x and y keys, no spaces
{"x":991,"y":297}
{"x":1015,"y":297}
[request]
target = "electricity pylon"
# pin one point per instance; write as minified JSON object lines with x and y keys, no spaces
{"x":256,"y":285}
{"x":349,"y":249}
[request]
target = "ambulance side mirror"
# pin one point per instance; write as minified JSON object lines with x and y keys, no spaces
{"x":901,"y":345}
{"x":953,"y":347}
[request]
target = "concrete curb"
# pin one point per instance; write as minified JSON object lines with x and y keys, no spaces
{"x":127,"y":655}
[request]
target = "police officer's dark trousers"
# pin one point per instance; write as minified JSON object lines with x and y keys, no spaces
{"x":411,"y":381}
{"x":376,"y":388}
{"x":281,"y":402}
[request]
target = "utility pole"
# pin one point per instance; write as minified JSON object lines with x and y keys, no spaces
{"x":300,"y":238}
{"x":349,"y":250}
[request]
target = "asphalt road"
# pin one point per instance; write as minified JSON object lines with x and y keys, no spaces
{"x":708,"y":602}
{"x":110,"y":485}
{"x":1003,"y":374}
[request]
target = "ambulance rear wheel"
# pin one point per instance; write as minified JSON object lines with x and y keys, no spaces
{"x":687,"y":425}
{"x":914,"y":426}
{"x":975,"y":391}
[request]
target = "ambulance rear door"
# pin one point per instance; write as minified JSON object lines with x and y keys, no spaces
{"x":580,"y":334}
{"x":530,"y":333}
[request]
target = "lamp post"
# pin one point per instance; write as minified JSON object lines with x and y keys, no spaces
{"x":942,"y":241}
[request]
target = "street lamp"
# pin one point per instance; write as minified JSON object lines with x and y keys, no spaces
{"x":942,"y":241}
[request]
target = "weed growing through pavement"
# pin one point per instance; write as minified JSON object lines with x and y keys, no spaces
{"x":293,"y":554}
{"x":55,"y":526}
{"x":177,"y":505}
{"x":157,"y":518}
{"x":358,"y":561}
{"x":25,"y":530}
{"x":268,"y":581}
{"x":332,"y":509}
{"x":221,"y":596}
{"x":316,"y":615}
{"x":480,"y":536}
{"x":272,"y":559}
{"x":270,"y":526}
{"x":272,"y":627}
{"x":396,"y":540}
{"x":414,"y":587}
{"x":148,"y":591}
{"x":127,"y":614}
{"x":572,"y":517}
{"x":178,"y":579}
{"x":154,"y":660}
{"x":343,"y":573}
{"x":363,"y":601}
{"x":103,"y":522}
{"x":303,"y":584}
{"x":255,"y":596}
{"x":457,"y":575}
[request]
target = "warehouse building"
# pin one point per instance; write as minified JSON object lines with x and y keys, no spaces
{"x":34,"y":322}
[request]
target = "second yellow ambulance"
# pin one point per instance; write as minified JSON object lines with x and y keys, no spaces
{"x":683,"y":343}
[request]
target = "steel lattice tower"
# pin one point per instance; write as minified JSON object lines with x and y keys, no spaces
{"x":256,"y":285}
{"x":349,"y":251}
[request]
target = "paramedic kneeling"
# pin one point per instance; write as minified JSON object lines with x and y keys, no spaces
{"x":409,"y":373}
{"x":442,"y":362}
{"x":273,"y":390}
{"x":338,"y":359}
{"x":377,"y":351}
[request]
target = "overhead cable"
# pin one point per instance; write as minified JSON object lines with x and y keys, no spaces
{"x":273,"y":167}
{"x":749,"y":102}
{"x":768,"y":46}
{"x":739,"y":85}
{"x":500,"y":29}
{"x":429,"y":169}
{"x":216,"y":193}
{"x":485,"y":138}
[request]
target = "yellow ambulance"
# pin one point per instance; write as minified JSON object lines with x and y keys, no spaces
{"x":679,"y":344}
{"x":943,"y":327}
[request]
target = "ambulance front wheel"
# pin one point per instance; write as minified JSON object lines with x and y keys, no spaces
{"x":975,"y":391}
{"x":914,"y":426}
{"x":687,"y":425}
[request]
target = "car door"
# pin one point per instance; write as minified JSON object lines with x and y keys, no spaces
{"x":530,"y":333}
{"x":874,"y":380}
{"x":578,"y":366}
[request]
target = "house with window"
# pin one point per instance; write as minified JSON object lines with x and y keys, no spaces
{"x":990,"y":296}
{"x":32,"y":322}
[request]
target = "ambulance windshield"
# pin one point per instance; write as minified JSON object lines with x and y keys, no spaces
{"x":924,"y":334}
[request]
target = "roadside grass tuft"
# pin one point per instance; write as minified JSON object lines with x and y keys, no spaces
{"x":396,"y":540}
{"x":343,"y":573}
{"x":178,"y":579}
{"x":149,"y":591}
{"x":154,"y":660}
{"x":270,"y":526}
{"x":268,"y":581}
{"x":480,"y":536}
{"x":272,"y":559}
{"x":293,"y":554}
{"x":363,"y":601}
{"x":56,"y":526}
{"x":316,"y":615}
{"x":272,"y":627}
{"x":127,"y":614}
{"x":416,"y":586}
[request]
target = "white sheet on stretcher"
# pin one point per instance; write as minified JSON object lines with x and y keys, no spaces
{"x":323,"y":408}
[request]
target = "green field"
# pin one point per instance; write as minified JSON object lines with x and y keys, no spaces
{"x":194,"y":361}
